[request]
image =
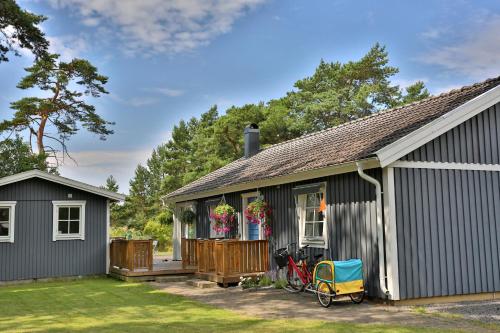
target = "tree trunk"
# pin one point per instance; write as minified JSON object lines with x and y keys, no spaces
{"x":39,"y":136}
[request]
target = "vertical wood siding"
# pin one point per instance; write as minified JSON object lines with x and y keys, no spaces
{"x":475,"y":141}
{"x":351,"y":220}
{"x":448,"y":227}
{"x":33,"y":254}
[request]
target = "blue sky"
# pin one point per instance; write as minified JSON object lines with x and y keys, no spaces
{"x":172,"y":59}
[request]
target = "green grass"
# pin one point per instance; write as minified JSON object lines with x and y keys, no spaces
{"x":106,"y":305}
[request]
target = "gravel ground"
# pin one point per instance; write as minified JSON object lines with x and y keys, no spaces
{"x":485,"y":311}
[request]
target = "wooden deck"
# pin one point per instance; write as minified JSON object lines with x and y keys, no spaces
{"x":133,"y":260}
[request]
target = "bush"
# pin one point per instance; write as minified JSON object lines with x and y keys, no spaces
{"x":126,"y":232}
{"x":280,"y":283}
{"x":160,"y":232}
{"x":265,"y":281}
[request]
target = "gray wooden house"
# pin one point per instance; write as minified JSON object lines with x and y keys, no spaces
{"x":51,"y":226}
{"x":413,"y":191}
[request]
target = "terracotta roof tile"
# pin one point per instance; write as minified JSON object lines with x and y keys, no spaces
{"x":348,"y":142}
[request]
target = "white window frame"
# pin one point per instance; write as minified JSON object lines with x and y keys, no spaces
{"x":55,"y":224}
{"x":243,"y":225}
{"x":11,"y":205}
{"x":301,"y":211}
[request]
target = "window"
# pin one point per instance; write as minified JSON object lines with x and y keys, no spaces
{"x":7,"y":215}
{"x":312,"y":219}
{"x":69,"y":220}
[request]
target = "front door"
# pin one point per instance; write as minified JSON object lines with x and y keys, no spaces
{"x":250,"y":231}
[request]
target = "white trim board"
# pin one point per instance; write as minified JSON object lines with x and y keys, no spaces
{"x":391,"y":238}
{"x":63,"y":181}
{"x":445,"y":166}
{"x":441,"y":125}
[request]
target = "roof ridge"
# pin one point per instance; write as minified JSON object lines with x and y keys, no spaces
{"x":378,"y":113}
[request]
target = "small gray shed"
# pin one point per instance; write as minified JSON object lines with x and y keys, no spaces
{"x":51,"y":226}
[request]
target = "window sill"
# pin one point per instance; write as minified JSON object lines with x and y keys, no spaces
{"x":76,"y":237}
{"x":6,"y":240}
{"x":315,"y":244}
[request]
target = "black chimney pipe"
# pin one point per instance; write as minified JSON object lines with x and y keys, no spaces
{"x":252,"y":140}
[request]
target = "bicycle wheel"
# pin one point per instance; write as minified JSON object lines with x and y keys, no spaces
{"x":324,"y":293}
{"x":357,"y":298}
{"x":294,"y":281}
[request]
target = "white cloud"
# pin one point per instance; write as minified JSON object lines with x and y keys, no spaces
{"x":69,"y":47}
{"x":161,"y":26}
{"x":169,"y":92}
{"x":475,"y":55}
{"x":137,"y":102}
{"x":94,"y":167}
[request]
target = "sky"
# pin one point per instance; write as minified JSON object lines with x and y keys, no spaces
{"x":169,"y":60}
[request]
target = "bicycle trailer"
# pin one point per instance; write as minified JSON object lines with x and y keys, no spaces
{"x":343,"y":277}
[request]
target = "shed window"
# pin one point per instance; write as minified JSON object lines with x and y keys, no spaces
{"x":7,"y":215}
{"x":311,"y":210}
{"x":69,"y":220}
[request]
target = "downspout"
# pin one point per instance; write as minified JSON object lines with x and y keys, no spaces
{"x":380,"y":229}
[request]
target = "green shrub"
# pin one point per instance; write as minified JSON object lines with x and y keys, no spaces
{"x":161,"y":232}
{"x":280,"y":283}
{"x":265,"y":281}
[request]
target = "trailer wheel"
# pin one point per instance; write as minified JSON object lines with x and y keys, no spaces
{"x":324,"y":293}
{"x":357,"y":298}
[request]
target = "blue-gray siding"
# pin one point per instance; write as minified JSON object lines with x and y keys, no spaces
{"x":448,"y":227}
{"x":477,"y":140}
{"x":351,"y":219}
{"x":448,"y":221}
{"x":34,"y":254}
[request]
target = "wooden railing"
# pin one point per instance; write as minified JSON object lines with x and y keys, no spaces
{"x":240,"y":257}
{"x":189,"y":252}
{"x":228,"y":257}
{"x":132,"y":254}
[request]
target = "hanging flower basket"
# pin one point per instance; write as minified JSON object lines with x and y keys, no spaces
{"x":223,"y":217}
{"x":188,"y":216}
{"x":259,"y":212}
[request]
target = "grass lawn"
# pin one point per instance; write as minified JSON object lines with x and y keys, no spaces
{"x":106,"y":305}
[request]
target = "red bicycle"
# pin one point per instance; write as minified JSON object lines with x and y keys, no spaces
{"x":298,"y":275}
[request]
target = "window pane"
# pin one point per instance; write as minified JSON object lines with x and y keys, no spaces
{"x":309,"y":229}
{"x":310,"y":214}
{"x":63,"y":227}
{"x":74,"y":213}
{"x":63,"y":213}
{"x":321,"y":216}
{"x":4,"y":214}
{"x":74,"y":227}
{"x":4,"y":228}
{"x":318,"y":229}
{"x":312,"y":200}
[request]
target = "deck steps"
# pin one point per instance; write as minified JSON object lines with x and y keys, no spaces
{"x":201,"y":283}
{"x":172,"y":278}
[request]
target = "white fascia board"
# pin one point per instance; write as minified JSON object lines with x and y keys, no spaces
{"x":446,"y":122}
{"x":369,"y":163}
{"x":445,"y":166}
{"x":63,"y":181}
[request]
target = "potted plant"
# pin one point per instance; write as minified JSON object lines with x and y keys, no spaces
{"x":259,"y":212}
{"x":223,"y":217}
{"x":188,"y":216}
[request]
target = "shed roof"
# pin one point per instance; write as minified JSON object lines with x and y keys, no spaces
{"x":63,"y":181}
{"x":350,"y":142}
